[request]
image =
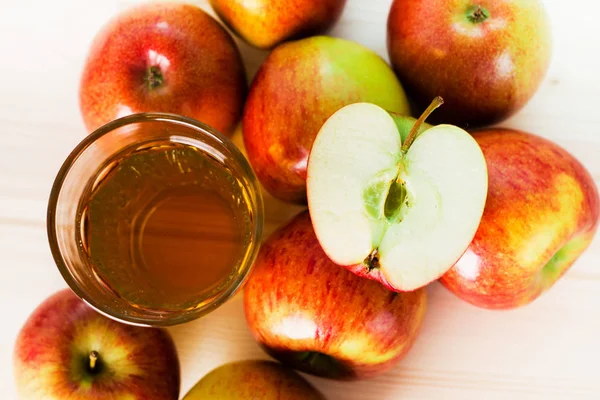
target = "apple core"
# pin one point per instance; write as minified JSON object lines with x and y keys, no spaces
{"x":398,"y":200}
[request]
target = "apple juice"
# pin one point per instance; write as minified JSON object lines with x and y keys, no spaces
{"x":165,"y":226}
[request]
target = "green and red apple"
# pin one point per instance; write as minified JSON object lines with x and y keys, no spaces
{"x":486,"y":58}
{"x":164,"y":57}
{"x":299,"y":86}
{"x":317,"y":317}
{"x":266,"y":23}
{"x":542,"y":212}
{"x":392,"y":199}
{"x":68,"y":351}
{"x":253,"y":379}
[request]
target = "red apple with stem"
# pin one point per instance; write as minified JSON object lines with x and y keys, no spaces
{"x":68,"y":351}
{"x":298,"y":87}
{"x":266,"y":23}
{"x":317,"y":317}
{"x":542,"y":212}
{"x":167,"y":57}
{"x":486,"y":58}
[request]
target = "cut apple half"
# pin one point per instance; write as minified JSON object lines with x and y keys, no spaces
{"x":398,"y":211}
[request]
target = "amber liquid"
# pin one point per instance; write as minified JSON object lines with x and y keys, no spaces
{"x":166,"y":226}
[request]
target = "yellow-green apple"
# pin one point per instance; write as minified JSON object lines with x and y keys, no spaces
{"x":68,"y":351}
{"x":167,"y":57}
{"x":486,"y":58}
{"x":542,"y":212}
{"x":392,"y":200}
{"x":253,"y":379}
{"x":299,"y":86}
{"x":266,"y":23}
{"x":317,"y":317}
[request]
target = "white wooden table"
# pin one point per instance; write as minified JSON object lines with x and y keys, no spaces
{"x":548,"y":350}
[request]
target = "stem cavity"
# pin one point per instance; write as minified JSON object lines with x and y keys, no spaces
{"x":93,"y":357}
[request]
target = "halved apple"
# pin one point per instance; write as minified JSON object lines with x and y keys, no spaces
{"x":393,"y":199}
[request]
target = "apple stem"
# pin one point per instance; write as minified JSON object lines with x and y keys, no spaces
{"x":93,"y":359}
{"x":438,"y":101}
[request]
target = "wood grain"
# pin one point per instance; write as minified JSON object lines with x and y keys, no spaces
{"x":548,"y":350}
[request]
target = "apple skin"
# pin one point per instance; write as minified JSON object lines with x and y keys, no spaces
{"x":53,"y":347}
{"x":202,"y":72}
{"x":542,"y":205}
{"x":253,"y":379}
{"x":266,"y":23}
{"x":485,"y":72}
{"x":298,"y":87}
{"x":318,"y":317}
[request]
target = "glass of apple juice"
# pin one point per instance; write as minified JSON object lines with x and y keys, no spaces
{"x":155,"y":219}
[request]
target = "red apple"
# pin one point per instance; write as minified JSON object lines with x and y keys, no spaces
{"x":266,"y":23}
{"x":164,"y":57}
{"x":318,"y":317}
{"x":253,"y":379}
{"x":68,"y":351}
{"x":298,"y":87}
{"x":542,"y":212}
{"x":486,"y":58}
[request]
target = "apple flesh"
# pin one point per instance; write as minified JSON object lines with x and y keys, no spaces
{"x":391,"y":204}
{"x":164,"y":57}
{"x":266,"y":23}
{"x":68,"y":351}
{"x":253,"y":379}
{"x":486,"y":58}
{"x":317,"y":317}
{"x":542,"y":212}
{"x":299,"y":86}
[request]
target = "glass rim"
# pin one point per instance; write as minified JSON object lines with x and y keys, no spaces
{"x":185,"y":315}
